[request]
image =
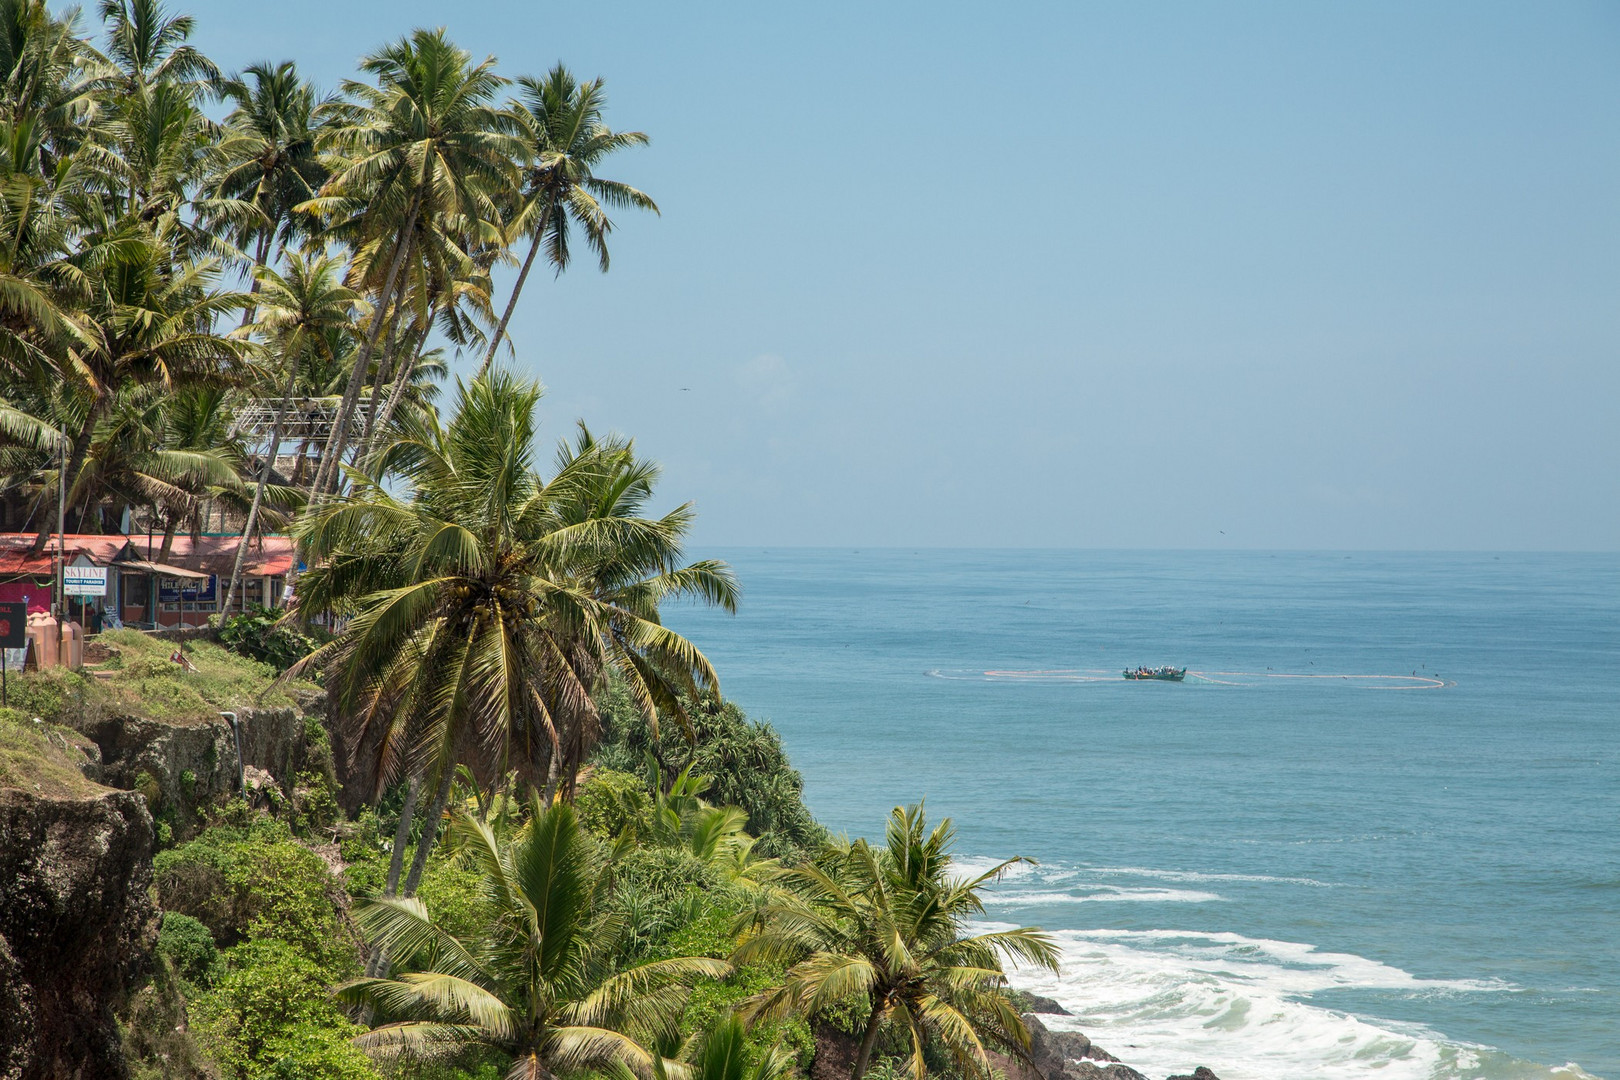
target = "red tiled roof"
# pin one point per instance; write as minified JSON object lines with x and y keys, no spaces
{"x":268,"y":556}
{"x":15,"y":548}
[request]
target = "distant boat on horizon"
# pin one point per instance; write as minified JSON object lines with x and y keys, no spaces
{"x":1158,"y":674}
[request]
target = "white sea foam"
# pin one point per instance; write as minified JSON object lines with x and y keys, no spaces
{"x":1195,"y":875}
{"x":971,"y":866}
{"x":968,"y":866}
{"x":1103,"y":894}
{"x":1165,"y":1000}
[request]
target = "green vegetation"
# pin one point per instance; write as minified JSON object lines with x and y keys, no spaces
{"x":142,"y":681}
{"x":262,"y":635}
{"x":545,"y":983}
{"x":886,"y":927}
{"x":633,"y":885}
{"x":743,"y":758}
{"x":43,"y":759}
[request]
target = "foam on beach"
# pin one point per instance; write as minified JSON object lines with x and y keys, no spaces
{"x":1165,"y":1000}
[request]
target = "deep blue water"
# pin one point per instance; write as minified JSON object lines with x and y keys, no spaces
{"x":1276,"y":877}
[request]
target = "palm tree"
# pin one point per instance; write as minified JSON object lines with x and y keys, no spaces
{"x":562,"y":122}
{"x":425,"y":142}
{"x":147,"y":46}
{"x":542,"y":984}
{"x":299,"y":312}
{"x":45,"y":82}
{"x":146,"y":323}
{"x":487,"y":602}
{"x":886,"y":926}
{"x":719,"y":1052}
{"x":153,"y":448}
{"x":267,"y":158}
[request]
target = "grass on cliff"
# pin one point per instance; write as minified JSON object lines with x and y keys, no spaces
{"x":140,"y":680}
{"x":43,"y":759}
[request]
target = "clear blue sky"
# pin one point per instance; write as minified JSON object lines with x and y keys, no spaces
{"x":1314,"y":275}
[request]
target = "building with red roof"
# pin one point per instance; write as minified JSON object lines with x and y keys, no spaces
{"x":140,"y":584}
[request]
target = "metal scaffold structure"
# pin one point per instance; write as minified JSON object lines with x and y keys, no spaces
{"x":307,"y":419}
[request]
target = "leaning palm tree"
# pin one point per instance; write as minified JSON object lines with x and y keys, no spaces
{"x":886,"y":927}
{"x":562,"y":123}
{"x":542,"y":984}
{"x":425,"y":142}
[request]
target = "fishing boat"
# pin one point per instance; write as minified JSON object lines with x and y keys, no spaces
{"x":1161,"y":674}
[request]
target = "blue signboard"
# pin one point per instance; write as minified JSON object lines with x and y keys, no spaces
{"x":198,"y":593}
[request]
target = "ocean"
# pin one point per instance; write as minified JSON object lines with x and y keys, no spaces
{"x":1375,"y":833}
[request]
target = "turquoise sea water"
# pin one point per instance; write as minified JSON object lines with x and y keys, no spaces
{"x":1276,"y":877}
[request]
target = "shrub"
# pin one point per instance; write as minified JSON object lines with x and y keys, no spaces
{"x":317,"y":1052}
{"x":256,"y":881}
{"x":49,"y":694}
{"x":611,"y":800}
{"x":189,"y":946}
{"x":744,"y":758}
{"x":271,"y":1006}
{"x":261,"y":635}
{"x":453,"y":894}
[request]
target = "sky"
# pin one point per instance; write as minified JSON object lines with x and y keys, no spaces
{"x":1247,"y":275}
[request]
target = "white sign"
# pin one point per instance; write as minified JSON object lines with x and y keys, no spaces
{"x":84,"y":580}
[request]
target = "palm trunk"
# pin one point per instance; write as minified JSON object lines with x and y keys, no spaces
{"x":552,"y":772}
{"x":261,"y":254}
{"x":338,"y":440}
{"x":517,"y":289}
{"x":874,"y":1024}
{"x":430,"y":830}
{"x":384,"y":371}
{"x":258,"y":492}
{"x":388,"y":407}
{"x":401,"y":380}
{"x":170,"y":527}
{"x":378,"y":961}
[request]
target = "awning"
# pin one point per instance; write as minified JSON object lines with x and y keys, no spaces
{"x":162,"y":569}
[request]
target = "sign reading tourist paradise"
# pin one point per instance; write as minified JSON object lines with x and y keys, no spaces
{"x":171,"y":592}
{"x":84,"y":580}
{"x":13,"y":625}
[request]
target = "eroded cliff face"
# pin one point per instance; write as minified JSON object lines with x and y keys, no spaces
{"x":185,"y":765}
{"x":76,"y":927}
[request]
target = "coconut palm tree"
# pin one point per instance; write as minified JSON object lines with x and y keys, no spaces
{"x":885,"y":926}
{"x":485,"y":603}
{"x":146,"y":322}
{"x":719,"y":1052}
{"x":47,"y":81}
{"x":267,"y":158}
{"x":541,"y":985}
{"x":425,"y":142}
{"x":299,"y":312}
{"x":562,"y":123}
{"x":148,"y":46}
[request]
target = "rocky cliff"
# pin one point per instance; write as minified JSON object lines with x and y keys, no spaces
{"x":1054,"y":1055}
{"x":183,"y":765}
{"x":76,"y":926}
